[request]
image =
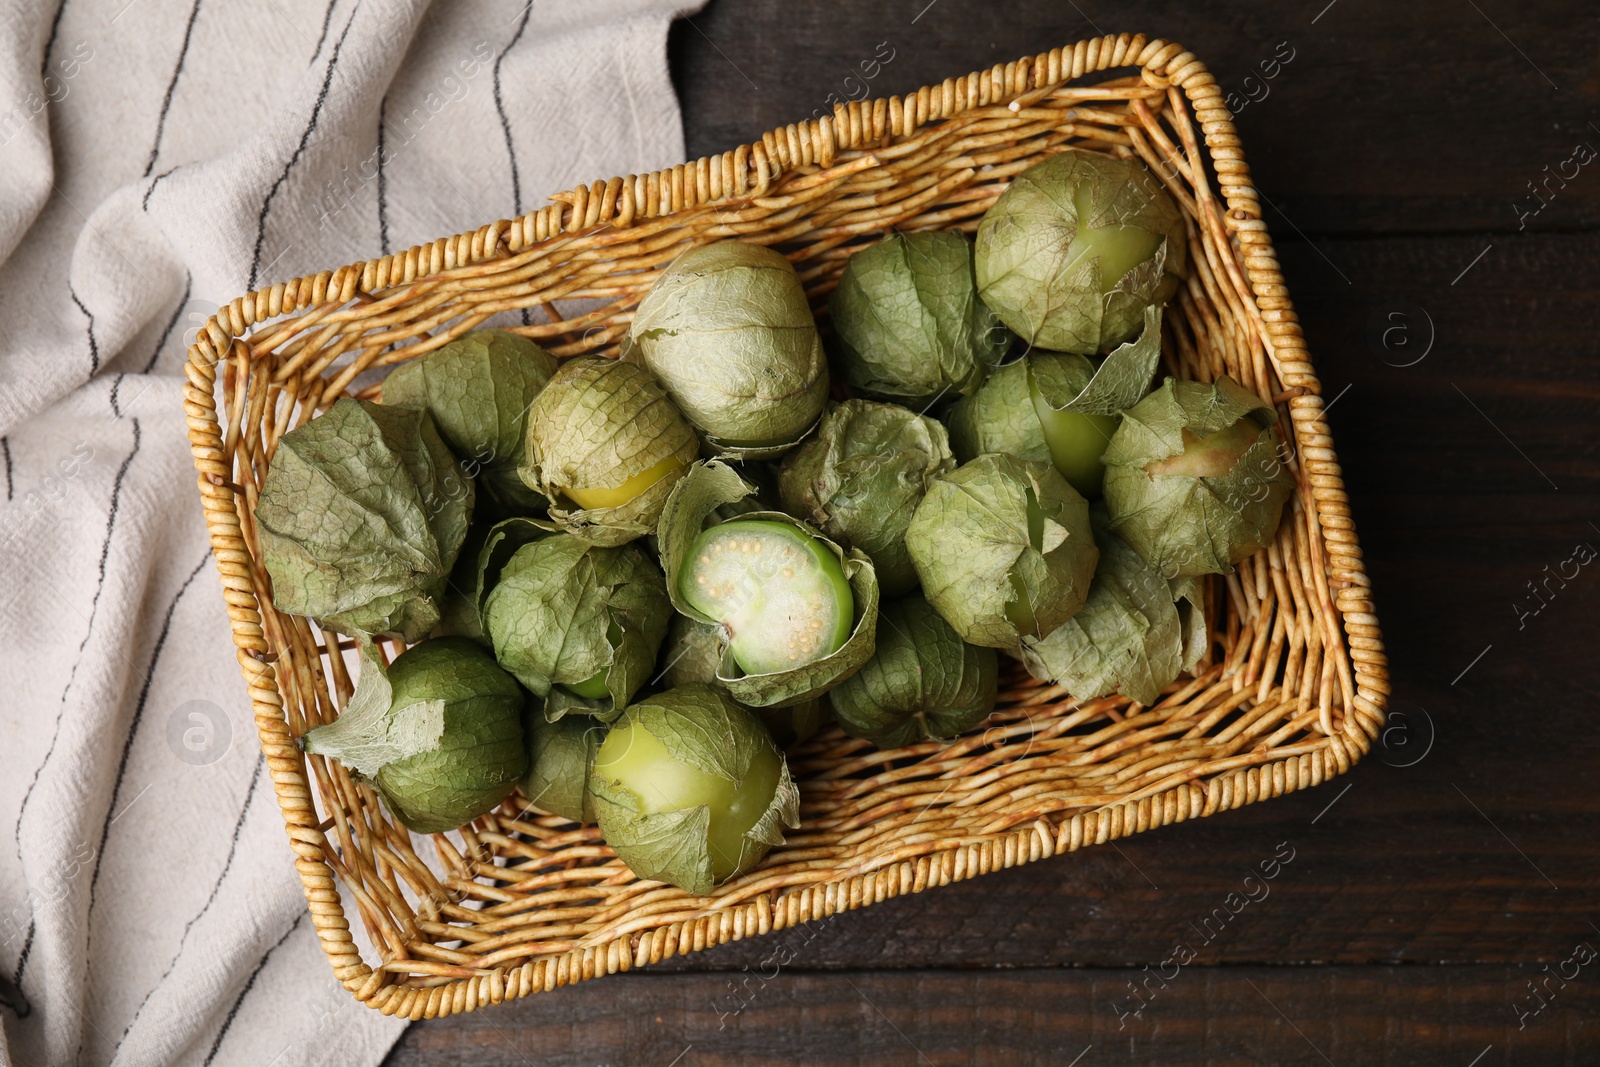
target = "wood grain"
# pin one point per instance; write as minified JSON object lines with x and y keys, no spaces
{"x":1390,"y":117}
{"x":1289,"y":1017}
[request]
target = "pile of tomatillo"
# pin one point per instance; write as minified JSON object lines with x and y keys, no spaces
{"x":629,"y":585}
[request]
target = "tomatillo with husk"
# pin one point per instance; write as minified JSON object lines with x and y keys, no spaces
{"x":1076,"y":248}
{"x":861,"y":475}
{"x":478,"y":388}
{"x":778,"y":592}
{"x":606,"y":445}
{"x":439,"y":732}
{"x":728,"y":331}
{"x":693,"y":651}
{"x":796,"y":611}
{"x":908,"y":324}
{"x":1004,"y":550}
{"x":922,"y":682}
{"x":1197,"y":477}
{"x":584,"y":617}
{"x":1136,"y":632}
{"x":560,"y":757}
{"x":690,"y":789}
{"x":361,"y":518}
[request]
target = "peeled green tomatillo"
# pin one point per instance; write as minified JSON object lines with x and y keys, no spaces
{"x":690,"y":789}
{"x":780,"y":594}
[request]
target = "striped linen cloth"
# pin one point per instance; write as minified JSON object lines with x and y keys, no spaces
{"x":159,"y":157}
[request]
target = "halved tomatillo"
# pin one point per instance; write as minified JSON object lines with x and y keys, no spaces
{"x":779,"y":593}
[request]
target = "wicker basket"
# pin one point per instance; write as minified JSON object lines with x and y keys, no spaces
{"x":1292,"y":692}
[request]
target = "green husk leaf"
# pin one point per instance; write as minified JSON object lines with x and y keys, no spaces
{"x":563,"y":702}
{"x":703,"y":728}
{"x":478,"y":388}
{"x":999,"y":417}
{"x":691,"y":653}
{"x":690,"y":510}
{"x":908,"y":322}
{"x":478,"y":568}
{"x":1189,"y":597}
{"x":1072,"y":383}
{"x":361,"y":518}
{"x":598,"y":423}
{"x":1024,"y":251}
{"x":859,"y":478}
{"x":993,"y":530}
{"x":370,"y":733}
{"x":728,"y":331}
{"x":564,"y":610}
{"x":1128,"y":638}
{"x":922,"y":682}
{"x":1182,"y":525}
{"x":560,"y":756}
{"x":796,"y":723}
{"x":439,"y":733}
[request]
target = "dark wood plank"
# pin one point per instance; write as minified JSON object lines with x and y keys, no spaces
{"x":1392,"y":117}
{"x":1349,"y":1016}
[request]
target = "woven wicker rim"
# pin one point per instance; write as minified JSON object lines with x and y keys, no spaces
{"x":747,"y":174}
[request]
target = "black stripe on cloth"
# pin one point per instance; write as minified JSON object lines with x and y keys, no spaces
{"x":94,"y":348}
{"x":94,"y":609}
{"x":122,"y":767}
{"x":22,"y":963}
{"x":5,"y":446}
{"x":172,"y":323}
{"x":50,"y":42}
{"x":327,"y":20}
{"x":116,"y":387}
{"x":383,"y":185}
{"x":305,"y":139}
{"x":145,"y":202}
{"x":500,"y":108}
{"x":234,"y":1011}
{"x":166,"y":101}
{"x":233,"y":848}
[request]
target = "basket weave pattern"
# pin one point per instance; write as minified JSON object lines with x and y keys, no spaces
{"x":1291,"y":693}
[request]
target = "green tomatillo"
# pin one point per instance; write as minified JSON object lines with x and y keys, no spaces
{"x":728,"y":331}
{"x":439,"y":732}
{"x":690,"y":789}
{"x":795,"y":611}
{"x":605,"y":444}
{"x":1076,"y":248}
{"x":1197,"y":477}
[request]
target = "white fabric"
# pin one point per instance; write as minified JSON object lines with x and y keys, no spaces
{"x":158,"y":157}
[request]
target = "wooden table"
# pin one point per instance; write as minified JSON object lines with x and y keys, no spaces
{"x":1441,"y":902}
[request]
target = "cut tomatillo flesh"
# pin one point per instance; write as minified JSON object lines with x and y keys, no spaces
{"x":780,"y":593}
{"x":1076,"y":440}
{"x":593,"y":499}
{"x":1211,"y":455}
{"x":634,"y":760}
